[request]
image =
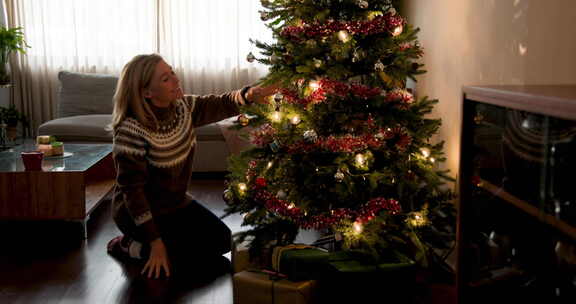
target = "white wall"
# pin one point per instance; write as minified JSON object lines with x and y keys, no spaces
{"x":474,"y":42}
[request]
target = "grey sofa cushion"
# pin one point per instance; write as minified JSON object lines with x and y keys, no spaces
{"x":79,"y":128}
{"x":84,"y":94}
{"x":92,"y":128}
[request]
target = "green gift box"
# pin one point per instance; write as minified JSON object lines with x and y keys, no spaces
{"x":300,"y":262}
{"x":346,"y":262}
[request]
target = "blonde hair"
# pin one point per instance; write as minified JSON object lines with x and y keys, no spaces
{"x":128,"y":99}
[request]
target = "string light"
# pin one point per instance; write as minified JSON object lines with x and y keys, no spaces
{"x":360,"y":159}
{"x":397,"y":30}
{"x":373,"y":14}
{"x":291,"y":206}
{"x":269,"y":165}
{"x":425,"y":152}
{"x":295,"y":120}
{"x":344,"y":36}
{"x":314,"y":85}
{"x":276,"y":116}
{"x":417,"y":219}
{"x":432,"y":160}
{"x":358,"y":227}
{"x":242,"y":187}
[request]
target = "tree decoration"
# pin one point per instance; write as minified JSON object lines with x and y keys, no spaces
{"x":243,"y":120}
{"x":250,"y":57}
{"x":295,"y":120}
{"x":278,"y":97}
{"x":264,"y":16}
{"x":362,"y":4}
{"x":344,"y":36}
{"x":379,"y":66}
{"x":310,"y":136}
{"x":339,"y":176}
{"x":397,"y":30}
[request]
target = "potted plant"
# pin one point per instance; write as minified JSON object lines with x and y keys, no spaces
{"x":11,"y":117}
{"x":11,"y":40}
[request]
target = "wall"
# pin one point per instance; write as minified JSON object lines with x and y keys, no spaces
{"x":475,"y":42}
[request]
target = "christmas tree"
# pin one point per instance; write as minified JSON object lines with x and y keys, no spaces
{"x":343,"y":147}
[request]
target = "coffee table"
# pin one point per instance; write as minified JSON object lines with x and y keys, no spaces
{"x":67,"y":188}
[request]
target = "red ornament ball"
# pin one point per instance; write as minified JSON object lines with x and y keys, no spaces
{"x":261,"y":182}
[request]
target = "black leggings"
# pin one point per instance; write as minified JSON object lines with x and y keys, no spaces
{"x":190,"y":233}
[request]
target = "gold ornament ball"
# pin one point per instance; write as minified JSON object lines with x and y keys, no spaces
{"x":243,"y":120}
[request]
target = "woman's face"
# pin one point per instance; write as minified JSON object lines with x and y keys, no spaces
{"x":164,"y":87}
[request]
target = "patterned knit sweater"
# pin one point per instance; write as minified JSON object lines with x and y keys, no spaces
{"x":154,"y":166}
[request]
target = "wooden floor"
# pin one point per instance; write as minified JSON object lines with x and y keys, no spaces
{"x":46,"y":263}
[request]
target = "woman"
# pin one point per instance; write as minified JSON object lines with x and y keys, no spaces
{"x":154,"y":141}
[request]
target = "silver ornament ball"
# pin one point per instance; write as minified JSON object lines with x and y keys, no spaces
{"x":250,"y":57}
{"x":362,"y":4}
{"x":339,"y":176}
{"x":310,"y":136}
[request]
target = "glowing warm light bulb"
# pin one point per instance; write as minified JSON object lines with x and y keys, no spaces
{"x":432,"y":160}
{"x":358,"y":227}
{"x":417,"y":219}
{"x":295,"y":120}
{"x":291,"y":206}
{"x":425,"y":152}
{"x":314,"y":85}
{"x":344,"y":36}
{"x":242,"y":187}
{"x":276,"y":116}
{"x":269,"y":165}
{"x":397,"y":30}
{"x":360,"y":159}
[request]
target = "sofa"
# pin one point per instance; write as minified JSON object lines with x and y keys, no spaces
{"x":84,"y":109}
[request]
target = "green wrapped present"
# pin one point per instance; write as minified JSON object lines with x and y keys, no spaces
{"x":300,"y":262}
{"x":347,"y":262}
{"x":354,"y":279}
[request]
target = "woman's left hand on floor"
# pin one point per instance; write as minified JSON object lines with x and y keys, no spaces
{"x":157,"y":261}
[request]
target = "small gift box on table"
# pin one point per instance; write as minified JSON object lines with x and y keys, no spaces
{"x":261,"y":288}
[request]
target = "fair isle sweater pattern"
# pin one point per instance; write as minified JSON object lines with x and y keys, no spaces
{"x":164,"y":148}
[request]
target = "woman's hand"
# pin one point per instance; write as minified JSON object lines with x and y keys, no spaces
{"x":158,"y":260}
{"x":259,"y":94}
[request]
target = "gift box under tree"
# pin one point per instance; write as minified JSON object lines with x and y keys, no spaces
{"x":260,"y":288}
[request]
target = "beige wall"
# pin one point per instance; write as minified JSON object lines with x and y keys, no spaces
{"x":469,"y":42}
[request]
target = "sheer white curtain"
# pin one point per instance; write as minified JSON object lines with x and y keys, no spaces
{"x":205,"y":40}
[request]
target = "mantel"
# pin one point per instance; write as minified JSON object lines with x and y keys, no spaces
{"x":553,"y":100}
